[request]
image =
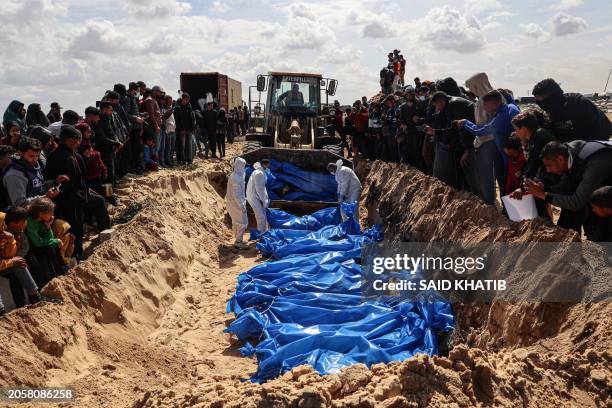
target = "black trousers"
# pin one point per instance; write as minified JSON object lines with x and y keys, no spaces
{"x":44,"y":263}
{"x":109,"y":161}
{"x":96,"y":208}
{"x":136,"y":150}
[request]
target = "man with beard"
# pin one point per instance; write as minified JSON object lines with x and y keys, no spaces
{"x":74,"y":195}
{"x":121,"y":127}
{"x":573,"y":116}
{"x":23,"y":179}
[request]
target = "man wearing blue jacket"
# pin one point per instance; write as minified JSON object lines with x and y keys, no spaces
{"x":500,"y":126}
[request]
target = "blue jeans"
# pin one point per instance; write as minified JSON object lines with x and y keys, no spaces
{"x":170,"y":148}
{"x":157,"y":138}
{"x":25,"y":280}
{"x":490,"y":168}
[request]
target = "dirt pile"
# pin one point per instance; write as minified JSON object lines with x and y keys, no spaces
{"x":142,"y":320}
{"x":532,"y":354}
{"x":147,"y":309}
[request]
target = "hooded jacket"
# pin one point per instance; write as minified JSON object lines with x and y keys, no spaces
{"x":11,"y":114}
{"x":576,"y":118}
{"x":23,"y":183}
{"x":256,"y":187}
{"x":590,"y":167}
{"x":236,"y":194}
{"x":349,"y":186}
{"x":479,"y":85}
{"x":35,"y":116}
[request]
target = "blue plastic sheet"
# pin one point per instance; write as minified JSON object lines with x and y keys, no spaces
{"x":305,"y":306}
{"x":304,"y":185}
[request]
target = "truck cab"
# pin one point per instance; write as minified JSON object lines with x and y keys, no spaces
{"x":292,"y":115}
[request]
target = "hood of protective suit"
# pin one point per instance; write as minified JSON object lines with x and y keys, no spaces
{"x":338,"y":164}
{"x":238,"y":173}
{"x":239,"y":166}
{"x":479,"y":84}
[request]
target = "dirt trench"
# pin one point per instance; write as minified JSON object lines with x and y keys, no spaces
{"x":504,"y":354}
{"x":142,"y":320}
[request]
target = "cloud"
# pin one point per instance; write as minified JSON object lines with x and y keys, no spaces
{"x":481,"y":6}
{"x":533,"y":30}
{"x":156,"y":8}
{"x":565,"y":5}
{"x":372,"y":25}
{"x":565,"y":24}
{"x":447,"y":29}
{"x":100,"y":37}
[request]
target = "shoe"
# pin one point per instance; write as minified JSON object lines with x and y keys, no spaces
{"x":114,"y":200}
{"x":42,"y":298}
{"x":241,"y":245}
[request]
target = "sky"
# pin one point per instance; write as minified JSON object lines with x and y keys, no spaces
{"x":72,"y":51}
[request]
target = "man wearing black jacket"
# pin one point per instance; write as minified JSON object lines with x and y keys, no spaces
{"x":74,"y":194}
{"x":411,"y":140}
{"x":185,"y":126}
{"x":209,"y":119}
{"x":573,"y":116}
{"x":454,"y":161}
{"x":106,"y":141}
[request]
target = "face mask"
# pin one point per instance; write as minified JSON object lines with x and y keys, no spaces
{"x":332,"y":172}
{"x":421,"y":98}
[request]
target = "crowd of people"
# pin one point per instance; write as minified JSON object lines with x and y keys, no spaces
{"x":476,"y":138}
{"x":58,"y":170}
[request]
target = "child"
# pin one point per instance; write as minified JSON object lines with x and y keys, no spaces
{"x":96,"y":171}
{"x":150,"y":155}
{"x":12,"y":262}
{"x":516,"y":161}
{"x":44,"y":247}
{"x":601,"y":202}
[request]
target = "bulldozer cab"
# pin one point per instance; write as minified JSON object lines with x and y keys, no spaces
{"x":291,"y":115}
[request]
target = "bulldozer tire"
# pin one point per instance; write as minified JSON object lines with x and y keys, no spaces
{"x":335,"y":149}
{"x":252,"y":145}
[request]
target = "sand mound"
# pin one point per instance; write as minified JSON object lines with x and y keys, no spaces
{"x":504,"y":354}
{"x":142,"y":320}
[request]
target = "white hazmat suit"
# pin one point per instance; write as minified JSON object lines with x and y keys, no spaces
{"x":257,"y":196}
{"x":235,"y":199}
{"x":349,"y":186}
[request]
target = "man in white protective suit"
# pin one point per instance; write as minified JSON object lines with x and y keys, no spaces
{"x":349,"y":186}
{"x":235,"y":199}
{"x":257,"y":196}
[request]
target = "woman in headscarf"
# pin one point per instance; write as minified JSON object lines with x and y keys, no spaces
{"x":235,"y":199}
{"x":489,"y":160}
{"x":15,"y":112}
{"x":35,"y":116}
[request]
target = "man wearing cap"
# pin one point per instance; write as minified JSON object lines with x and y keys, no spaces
{"x":55,"y":114}
{"x":74,"y":194}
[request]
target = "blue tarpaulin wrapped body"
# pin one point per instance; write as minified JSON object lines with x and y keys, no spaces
{"x":304,"y":185}
{"x":305,"y":306}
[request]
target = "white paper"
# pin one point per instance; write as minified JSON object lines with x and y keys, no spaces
{"x":519,"y":210}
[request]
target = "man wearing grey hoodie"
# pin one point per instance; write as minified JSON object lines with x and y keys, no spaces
{"x":489,"y":161}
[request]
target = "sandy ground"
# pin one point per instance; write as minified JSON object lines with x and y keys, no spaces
{"x":147,"y":309}
{"x":142,"y":320}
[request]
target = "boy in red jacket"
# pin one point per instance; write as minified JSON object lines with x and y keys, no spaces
{"x":96,"y":171}
{"x":516,"y":161}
